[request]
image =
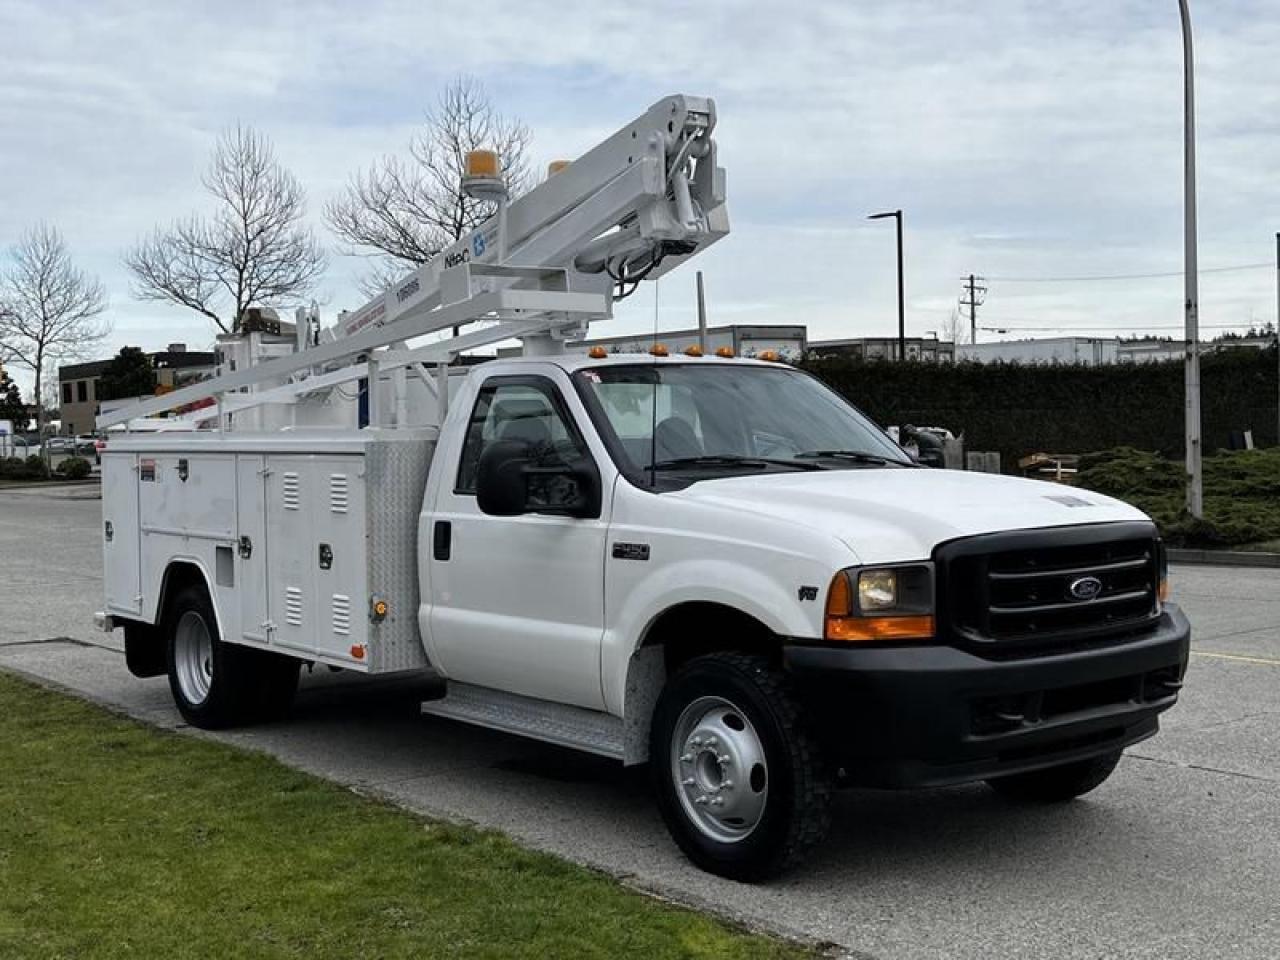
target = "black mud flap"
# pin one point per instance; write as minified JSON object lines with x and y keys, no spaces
{"x":143,"y":649}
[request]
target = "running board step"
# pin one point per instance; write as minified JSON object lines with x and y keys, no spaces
{"x":558,"y":723}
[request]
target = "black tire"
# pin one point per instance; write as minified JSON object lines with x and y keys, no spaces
{"x":797,"y":786}
{"x":1057,"y":784}
{"x":232,"y":696}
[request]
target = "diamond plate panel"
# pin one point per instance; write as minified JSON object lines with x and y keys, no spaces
{"x":396,"y":478}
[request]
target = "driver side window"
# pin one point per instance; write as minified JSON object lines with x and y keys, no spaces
{"x":520,"y":410}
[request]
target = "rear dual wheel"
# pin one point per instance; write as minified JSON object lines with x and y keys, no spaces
{"x":741,"y":784}
{"x":216,"y":684}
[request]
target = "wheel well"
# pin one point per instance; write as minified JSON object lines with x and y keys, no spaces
{"x":690,"y":630}
{"x":177,"y":576}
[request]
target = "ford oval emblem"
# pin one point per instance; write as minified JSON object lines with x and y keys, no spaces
{"x":1085,"y":588}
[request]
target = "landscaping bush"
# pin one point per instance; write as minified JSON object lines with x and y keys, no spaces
{"x":1019,"y":409}
{"x":34,"y":468}
{"x":1241,"y":493}
{"x":74,"y":468}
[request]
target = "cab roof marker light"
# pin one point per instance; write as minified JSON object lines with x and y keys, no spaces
{"x":724,"y":352}
{"x":659,"y":350}
{"x":693,"y":351}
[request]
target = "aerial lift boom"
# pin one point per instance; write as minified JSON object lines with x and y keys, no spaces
{"x":542,"y":267}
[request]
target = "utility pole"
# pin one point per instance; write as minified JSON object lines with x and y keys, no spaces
{"x":973,"y":297}
{"x":1195,"y":479}
{"x":1278,"y":339}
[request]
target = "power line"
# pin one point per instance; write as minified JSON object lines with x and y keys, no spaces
{"x":1128,"y":276}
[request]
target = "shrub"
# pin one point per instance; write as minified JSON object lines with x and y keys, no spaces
{"x":74,"y":468}
{"x":1241,"y":493}
{"x":34,"y":468}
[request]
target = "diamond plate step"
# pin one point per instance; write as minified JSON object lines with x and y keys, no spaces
{"x":587,"y":730}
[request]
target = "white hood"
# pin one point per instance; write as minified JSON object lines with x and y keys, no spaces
{"x":891,"y":515}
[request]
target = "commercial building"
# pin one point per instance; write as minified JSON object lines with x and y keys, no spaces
{"x":78,"y":383}
{"x":885,"y":348}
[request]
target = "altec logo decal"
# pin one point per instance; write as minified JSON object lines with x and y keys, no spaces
{"x":1085,"y":588}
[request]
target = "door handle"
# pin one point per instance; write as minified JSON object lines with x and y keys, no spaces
{"x":326,"y":556}
{"x":442,"y":540}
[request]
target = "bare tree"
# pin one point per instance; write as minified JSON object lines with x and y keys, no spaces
{"x":253,"y":251}
{"x":49,"y":310}
{"x":404,"y":212}
{"x":956,"y":328}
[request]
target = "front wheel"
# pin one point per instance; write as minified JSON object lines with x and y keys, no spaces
{"x":741,"y":784}
{"x":1057,"y":784}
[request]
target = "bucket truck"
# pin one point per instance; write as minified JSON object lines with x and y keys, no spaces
{"x":712,"y":565}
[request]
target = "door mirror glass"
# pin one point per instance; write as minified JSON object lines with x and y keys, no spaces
{"x":515,"y":477}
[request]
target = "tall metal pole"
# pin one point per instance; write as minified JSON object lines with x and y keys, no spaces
{"x":1278,"y":339}
{"x":902,"y":299}
{"x":702,"y":315}
{"x":1195,"y":485}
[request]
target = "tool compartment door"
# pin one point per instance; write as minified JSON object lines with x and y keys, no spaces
{"x":121,"y":553}
{"x":316,"y":563}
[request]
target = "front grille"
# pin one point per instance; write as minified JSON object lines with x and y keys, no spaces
{"x":1052,"y":585}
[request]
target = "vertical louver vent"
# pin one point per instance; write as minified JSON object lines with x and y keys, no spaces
{"x":338,"y":496}
{"x":293,"y":606}
{"x":341,"y":614}
{"x":291,"y":491}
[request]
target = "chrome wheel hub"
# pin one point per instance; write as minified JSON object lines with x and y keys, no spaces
{"x":719,"y":768}
{"x":193,"y":657}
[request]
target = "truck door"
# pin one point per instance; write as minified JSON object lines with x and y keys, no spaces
{"x":517,"y":602}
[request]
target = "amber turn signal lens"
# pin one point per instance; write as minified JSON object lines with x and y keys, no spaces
{"x":597,"y":353}
{"x":1163,"y":589}
{"x":879,"y":628}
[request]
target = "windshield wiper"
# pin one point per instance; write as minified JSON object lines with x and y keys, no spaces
{"x":731,"y":460}
{"x":854,"y":456}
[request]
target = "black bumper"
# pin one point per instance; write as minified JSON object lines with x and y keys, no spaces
{"x":914,"y":716}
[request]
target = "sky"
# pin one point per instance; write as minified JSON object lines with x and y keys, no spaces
{"x":1025,"y":141}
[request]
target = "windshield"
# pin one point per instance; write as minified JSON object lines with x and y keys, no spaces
{"x":716,"y":417}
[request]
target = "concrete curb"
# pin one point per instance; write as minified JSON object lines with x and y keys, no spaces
{"x":1224,"y":558}
{"x":51,"y":484}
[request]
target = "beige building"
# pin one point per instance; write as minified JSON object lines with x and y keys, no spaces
{"x":78,"y":383}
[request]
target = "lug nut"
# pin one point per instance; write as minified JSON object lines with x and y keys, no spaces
{"x":718,"y":802}
{"x":726,"y":784}
{"x":724,"y":760}
{"x":686,"y":758}
{"x":700,"y":800}
{"x":687,"y":782}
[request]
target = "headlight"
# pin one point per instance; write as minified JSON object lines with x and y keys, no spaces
{"x":881,"y":603}
{"x":877,"y":589}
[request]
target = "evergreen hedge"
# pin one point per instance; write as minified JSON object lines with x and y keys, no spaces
{"x":1019,"y":409}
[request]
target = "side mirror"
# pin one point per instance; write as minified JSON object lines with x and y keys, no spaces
{"x":510,"y":482}
{"x":929,"y":450}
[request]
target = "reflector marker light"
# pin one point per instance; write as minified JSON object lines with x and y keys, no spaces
{"x":693,"y":351}
{"x":659,"y":350}
{"x":724,"y":352}
{"x":597,"y":353}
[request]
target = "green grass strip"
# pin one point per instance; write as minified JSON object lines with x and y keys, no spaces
{"x":120,"y":840}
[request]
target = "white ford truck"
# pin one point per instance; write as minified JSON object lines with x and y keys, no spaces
{"x":716,"y":566}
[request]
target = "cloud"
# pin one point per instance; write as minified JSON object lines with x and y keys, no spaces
{"x":1021,"y":137}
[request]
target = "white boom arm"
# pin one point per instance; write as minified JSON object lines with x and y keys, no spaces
{"x":632,"y":208}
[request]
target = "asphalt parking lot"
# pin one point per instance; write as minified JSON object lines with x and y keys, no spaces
{"x":1178,"y":855}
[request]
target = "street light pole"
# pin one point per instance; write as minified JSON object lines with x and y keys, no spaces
{"x":1278,"y":339}
{"x":902,"y":297}
{"x":1195,"y":487}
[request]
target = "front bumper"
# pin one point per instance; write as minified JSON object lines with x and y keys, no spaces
{"x":915,"y":716}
